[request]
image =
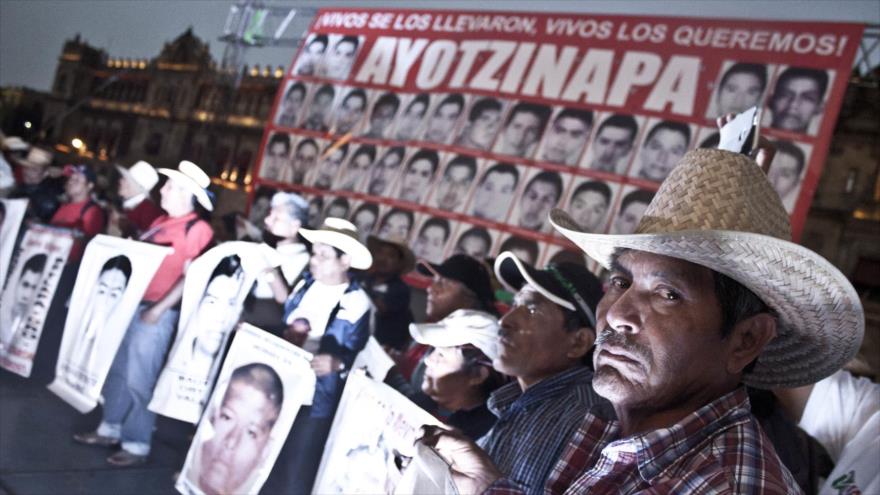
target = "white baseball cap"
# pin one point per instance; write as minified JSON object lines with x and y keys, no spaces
{"x":461,"y":327}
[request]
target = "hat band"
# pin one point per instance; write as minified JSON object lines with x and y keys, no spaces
{"x":585,"y":309}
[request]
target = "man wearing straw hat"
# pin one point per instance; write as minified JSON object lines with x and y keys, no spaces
{"x":135,"y":184}
{"x":129,"y":386}
{"x":708,"y":295}
{"x":331,"y":314}
{"x":38,"y":185}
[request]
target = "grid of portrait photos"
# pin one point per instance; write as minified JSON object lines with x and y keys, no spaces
{"x":478,"y":174}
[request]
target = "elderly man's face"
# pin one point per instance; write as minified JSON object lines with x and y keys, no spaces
{"x":280,"y":223}
{"x":795,"y":104}
{"x":493,"y":196}
{"x":610,"y":146}
{"x":521,"y":132}
{"x":659,"y":340}
{"x":442,"y":122}
{"x":588,"y":208}
{"x":662,"y":153}
{"x":383,"y":173}
{"x":784,"y":174}
{"x":565,"y":139}
{"x":452,"y":189}
{"x":242,"y":428}
{"x":537,"y":201}
{"x":741,"y":91}
{"x":533,"y":342}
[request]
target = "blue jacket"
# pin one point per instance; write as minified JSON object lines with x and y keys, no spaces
{"x":348,"y":329}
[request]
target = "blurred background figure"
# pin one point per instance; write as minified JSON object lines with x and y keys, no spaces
{"x":392,"y":258}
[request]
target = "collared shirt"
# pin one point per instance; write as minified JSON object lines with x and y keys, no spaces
{"x":534,"y":426}
{"x":719,"y":448}
{"x":188,"y":235}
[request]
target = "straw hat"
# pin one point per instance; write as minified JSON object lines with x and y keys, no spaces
{"x":408,"y":259}
{"x":342,"y":235}
{"x":717,"y":209}
{"x":36,"y":157}
{"x":141,"y":174}
{"x":189,"y":175}
{"x":14,"y":143}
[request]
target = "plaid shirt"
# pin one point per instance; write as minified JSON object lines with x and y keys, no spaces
{"x":534,"y":426}
{"x":717,"y":449}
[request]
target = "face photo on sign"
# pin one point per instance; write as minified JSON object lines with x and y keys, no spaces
{"x":214,"y":317}
{"x":495,"y":191}
{"x":311,"y":56}
{"x":383,"y":174}
{"x":454,"y":184}
{"x":613,"y":143}
{"x":797,"y":100}
{"x":740,"y":86}
{"x":566,"y":136}
{"x":381,"y":116}
{"x":474,"y":241}
{"x":340,"y":56}
{"x":411,"y":119}
{"x":25,"y":287}
{"x":316,"y":207}
{"x":329,"y":165}
{"x":418,"y":175}
{"x":664,"y":144}
{"x":556,"y":255}
{"x":364,"y":218}
{"x":590,"y":203}
{"x":431,"y":237}
{"x":396,"y":223}
{"x":633,"y":204}
{"x":787,"y":170}
{"x":320,"y":109}
{"x":541,"y":193}
{"x":356,"y":168}
{"x":350,"y":111}
{"x":443,"y":117}
{"x":482,"y":124}
{"x":527,"y":250}
{"x":304,"y":158}
{"x":276,"y":157}
{"x":245,"y":415}
{"x":337,"y":208}
{"x":292,"y":104}
{"x":522,"y":129}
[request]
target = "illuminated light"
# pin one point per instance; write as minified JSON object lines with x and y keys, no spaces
{"x":234,"y":175}
{"x":224,"y":175}
{"x":27,"y":124}
{"x":266,"y":71}
{"x":255,"y":72}
{"x":142,"y":65}
{"x":248,"y":178}
{"x":279,"y":72}
{"x":76,"y":143}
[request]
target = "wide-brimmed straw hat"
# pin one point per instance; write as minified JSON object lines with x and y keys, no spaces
{"x":342,"y":235}
{"x":36,"y":157}
{"x":141,"y":174}
{"x":717,"y":209}
{"x":189,"y":175}
{"x":14,"y":143}
{"x":408,"y":259}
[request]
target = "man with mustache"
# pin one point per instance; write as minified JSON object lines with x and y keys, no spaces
{"x":545,"y":343}
{"x":699,"y":304}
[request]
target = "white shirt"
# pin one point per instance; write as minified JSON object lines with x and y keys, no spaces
{"x":296,"y":259}
{"x":843,"y":414}
{"x":316,"y":305}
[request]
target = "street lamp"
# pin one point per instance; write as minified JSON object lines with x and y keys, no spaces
{"x":77,"y":143}
{"x":27,"y":124}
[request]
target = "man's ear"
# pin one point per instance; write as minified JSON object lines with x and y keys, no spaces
{"x":481,"y":376}
{"x":748,"y":339}
{"x":345,"y":260}
{"x":580,"y":341}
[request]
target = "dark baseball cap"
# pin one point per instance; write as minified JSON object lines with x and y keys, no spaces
{"x":569,"y":285}
{"x":472,"y":273}
{"x":82,"y":168}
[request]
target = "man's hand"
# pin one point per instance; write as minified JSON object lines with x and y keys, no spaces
{"x":765,"y":151}
{"x":324,"y":364}
{"x":151,"y":315}
{"x":472,"y":469}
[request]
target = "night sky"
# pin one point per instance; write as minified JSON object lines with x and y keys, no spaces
{"x":32,"y":32}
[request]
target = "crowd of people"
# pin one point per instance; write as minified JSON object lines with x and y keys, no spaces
{"x":707,"y":359}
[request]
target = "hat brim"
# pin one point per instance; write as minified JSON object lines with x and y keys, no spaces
{"x":200,"y":194}
{"x":820,"y":318}
{"x":408,"y":262}
{"x":513,"y":274}
{"x":440,"y":335}
{"x":130,"y":178}
{"x":360,"y":256}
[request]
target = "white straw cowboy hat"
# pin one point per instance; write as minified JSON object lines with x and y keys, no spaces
{"x":342,"y":235}
{"x":717,"y":209}
{"x":189,"y":175}
{"x":36,"y":157}
{"x":141,"y":174}
{"x":14,"y":143}
{"x":408,"y":259}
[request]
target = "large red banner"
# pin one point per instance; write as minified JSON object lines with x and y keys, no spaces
{"x":460,"y":131}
